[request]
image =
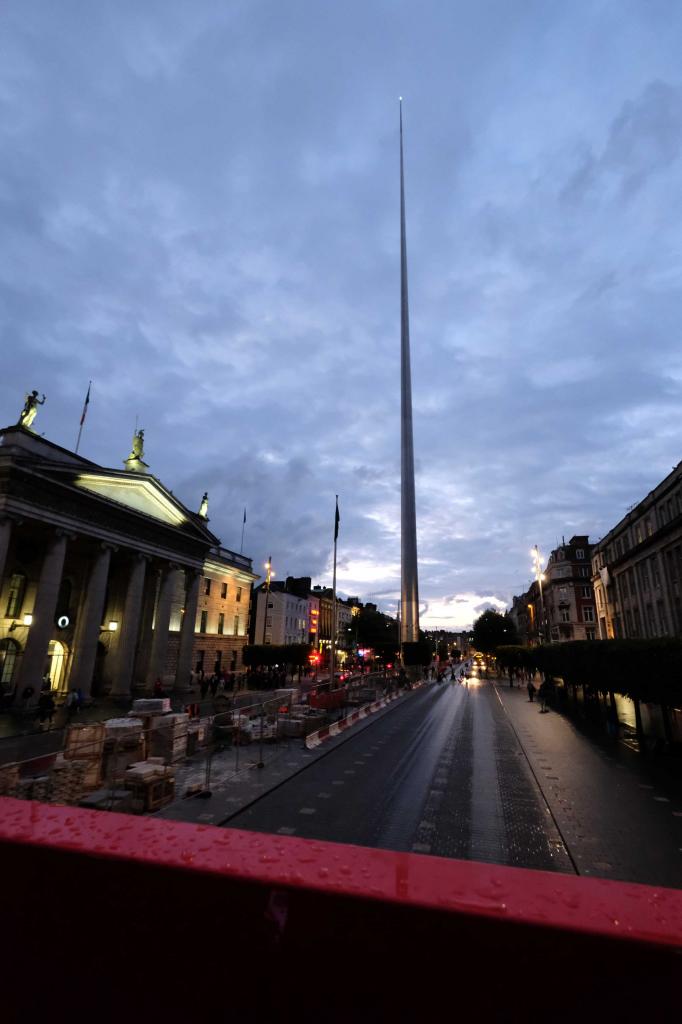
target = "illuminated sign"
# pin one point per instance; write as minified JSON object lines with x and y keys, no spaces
{"x":63,"y":621}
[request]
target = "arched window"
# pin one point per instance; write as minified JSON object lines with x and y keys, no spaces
{"x":15,"y":600}
{"x":9,"y":649}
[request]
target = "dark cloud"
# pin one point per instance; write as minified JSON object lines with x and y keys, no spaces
{"x":198,"y":211}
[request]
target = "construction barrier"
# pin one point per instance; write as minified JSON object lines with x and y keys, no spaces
{"x":314,"y":739}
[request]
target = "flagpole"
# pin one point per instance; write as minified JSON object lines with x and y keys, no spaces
{"x":332,"y":660}
{"x":241,"y":546}
{"x":85,"y":406}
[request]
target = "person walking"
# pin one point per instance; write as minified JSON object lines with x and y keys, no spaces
{"x":203,"y":686}
{"x":214,"y":684}
{"x":71,"y":705}
{"x":543,"y":694}
{"x":531,"y":690}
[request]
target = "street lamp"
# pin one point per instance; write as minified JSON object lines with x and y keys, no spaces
{"x":268,"y":577}
{"x":539,"y":576}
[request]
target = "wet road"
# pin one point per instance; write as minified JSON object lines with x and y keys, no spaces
{"x":443,"y":773}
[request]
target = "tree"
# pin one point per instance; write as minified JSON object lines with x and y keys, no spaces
{"x":492,"y":630}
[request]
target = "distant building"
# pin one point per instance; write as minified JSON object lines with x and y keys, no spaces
{"x":637,"y":567}
{"x":284,"y":620}
{"x":567,"y":598}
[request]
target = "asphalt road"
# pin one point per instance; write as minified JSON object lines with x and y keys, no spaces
{"x":443,"y":773}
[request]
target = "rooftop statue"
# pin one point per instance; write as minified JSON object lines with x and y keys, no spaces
{"x":203,"y":508}
{"x":30,"y":410}
{"x":134,"y":461}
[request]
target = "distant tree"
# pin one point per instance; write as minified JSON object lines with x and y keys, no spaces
{"x":373,"y":628}
{"x":492,"y":630}
{"x":419,"y":653}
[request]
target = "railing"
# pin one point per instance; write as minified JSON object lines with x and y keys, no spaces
{"x":111,"y":917}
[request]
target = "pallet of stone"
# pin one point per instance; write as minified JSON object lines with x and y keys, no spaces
{"x":151,"y":783}
{"x":152,"y":705}
{"x":84,"y":742}
{"x":123,"y":730}
{"x":9,"y":778}
{"x":69,"y":781}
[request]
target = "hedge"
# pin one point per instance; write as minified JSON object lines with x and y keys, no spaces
{"x":645,"y":670}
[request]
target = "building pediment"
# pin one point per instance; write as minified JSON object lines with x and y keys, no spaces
{"x":143,"y":494}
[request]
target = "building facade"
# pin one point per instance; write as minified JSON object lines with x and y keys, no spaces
{"x":637,"y":567}
{"x":94,"y":565}
{"x":561,"y":606}
{"x":280,"y":616}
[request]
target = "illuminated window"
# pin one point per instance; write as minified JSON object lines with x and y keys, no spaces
{"x":8,"y":659}
{"x":221,"y":623}
{"x":223,"y":590}
{"x":17,"y":589}
{"x":207,"y":586}
{"x":204,"y":619}
{"x":239,"y":594}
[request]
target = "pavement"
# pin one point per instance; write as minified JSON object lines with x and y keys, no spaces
{"x":619,"y":815}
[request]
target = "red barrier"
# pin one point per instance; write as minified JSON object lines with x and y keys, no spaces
{"x":117,"y":917}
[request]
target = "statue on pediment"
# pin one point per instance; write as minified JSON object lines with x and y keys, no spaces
{"x":134,"y":461}
{"x":203,"y":508}
{"x":30,"y":410}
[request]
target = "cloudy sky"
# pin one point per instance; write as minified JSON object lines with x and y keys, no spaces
{"x":199,"y":212}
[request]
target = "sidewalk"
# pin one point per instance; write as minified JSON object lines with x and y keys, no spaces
{"x":619,"y":816}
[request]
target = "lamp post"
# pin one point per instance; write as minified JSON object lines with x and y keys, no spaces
{"x":539,"y":576}
{"x":268,"y":577}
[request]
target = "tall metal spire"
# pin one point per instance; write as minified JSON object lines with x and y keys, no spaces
{"x":409,"y":595}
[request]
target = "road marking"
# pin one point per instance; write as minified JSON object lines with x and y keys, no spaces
{"x":324,"y":796}
{"x":662,"y":799}
{"x":349,"y":771}
{"x":285,"y":831}
{"x":307,"y":810}
{"x":421,"y":848}
{"x":338,"y":782}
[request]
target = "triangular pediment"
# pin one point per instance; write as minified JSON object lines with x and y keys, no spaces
{"x":143,"y":494}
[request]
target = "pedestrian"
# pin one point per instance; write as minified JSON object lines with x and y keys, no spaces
{"x":543,"y":694}
{"x":158,"y":687}
{"x":531,"y":691}
{"x":203,"y":686}
{"x":43,"y":701}
{"x":72,"y":704}
{"x":214,"y":685}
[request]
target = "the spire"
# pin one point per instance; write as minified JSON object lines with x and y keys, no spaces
{"x":409,"y":603}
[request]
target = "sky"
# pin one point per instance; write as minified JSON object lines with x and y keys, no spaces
{"x":199,"y":212}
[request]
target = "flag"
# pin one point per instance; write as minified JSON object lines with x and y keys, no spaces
{"x":86,"y":403}
{"x":244,"y":515}
{"x":337,"y":519}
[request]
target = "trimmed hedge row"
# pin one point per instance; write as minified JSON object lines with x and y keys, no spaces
{"x":276,"y":654}
{"x":645,"y":670}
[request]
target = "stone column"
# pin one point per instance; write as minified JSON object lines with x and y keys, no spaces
{"x":189,"y":621}
{"x":90,"y":623}
{"x":5,"y":537}
{"x":125,"y":653}
{"x":157,"y":657}
{"x":42,"y":626}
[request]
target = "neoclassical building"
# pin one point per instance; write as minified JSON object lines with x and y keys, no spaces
{"x":104,"y":577}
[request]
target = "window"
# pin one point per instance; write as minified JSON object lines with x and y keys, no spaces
{"x":638,"y":535}
{"x":649,"y":530}
{"x":204,"y":619}
{"x":587,"y":591}
{"x":207,"y":586}
{"x":588,"y":613}
{"x":644,"y":575}
{"x":8,"y":659}
{"x":624,"y":585}
{"x":223,"y":590}
{"x":579,"y":553}
{"x":15,"y":600}
{"x":584,"y":570}
{"x":239,"y":595}
{"x":655,"y":575}
{"x":268,"y":622}
{"x":590,"y":633}
{"x":565,"y":614}
{"x":221,"y":623}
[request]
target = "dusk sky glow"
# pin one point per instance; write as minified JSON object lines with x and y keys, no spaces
{"x":199,"y":211}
